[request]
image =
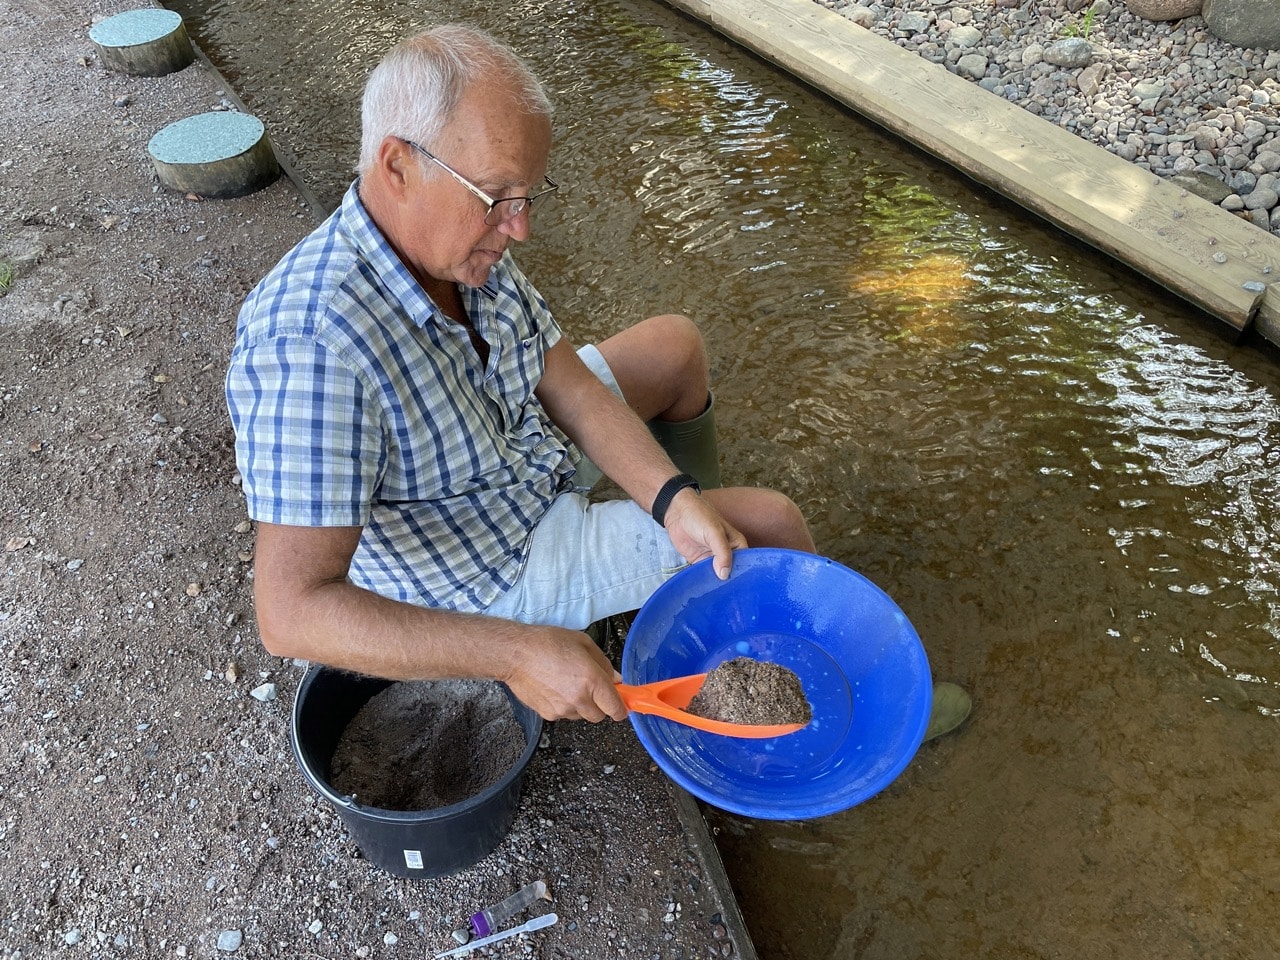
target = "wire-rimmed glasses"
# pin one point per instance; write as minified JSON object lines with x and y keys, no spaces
{"x":500,"y":209}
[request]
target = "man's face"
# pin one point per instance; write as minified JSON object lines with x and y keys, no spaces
{"x":500,"y":149}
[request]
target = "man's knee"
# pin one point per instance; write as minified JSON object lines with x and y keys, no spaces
{"x":685,"y":368}
{"x":790,"y":529}
{"x":661,"y":367}
{"x":683,"y":344}
{"x":767,"y":518}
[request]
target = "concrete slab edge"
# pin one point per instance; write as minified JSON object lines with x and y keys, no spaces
{"x":700,"y":842}
{"x":610,"y":634}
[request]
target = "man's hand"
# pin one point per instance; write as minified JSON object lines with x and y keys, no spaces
{"x":563,"y":675}
{"x":698,"y":531}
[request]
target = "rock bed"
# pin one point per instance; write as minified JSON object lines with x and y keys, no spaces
{"x":1168,"y":96}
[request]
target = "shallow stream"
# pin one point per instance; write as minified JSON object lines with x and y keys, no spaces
{"x":1066,"y":478}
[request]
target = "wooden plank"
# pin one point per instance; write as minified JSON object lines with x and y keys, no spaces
{"x":1192,"y":247}
{"x":1267,"y":321}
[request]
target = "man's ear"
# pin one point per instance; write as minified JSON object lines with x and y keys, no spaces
{"x":395,"y":157}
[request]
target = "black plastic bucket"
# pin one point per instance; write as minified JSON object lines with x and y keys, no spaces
{"x":426,"y":843}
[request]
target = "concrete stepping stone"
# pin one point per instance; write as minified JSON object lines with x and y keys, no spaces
{"x":145,"y":43}
{"x":217,"y":155}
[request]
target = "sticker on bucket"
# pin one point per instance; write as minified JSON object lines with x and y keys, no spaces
{"x":413,"y":859}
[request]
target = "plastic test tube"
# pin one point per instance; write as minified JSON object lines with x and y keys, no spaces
{"x":537,"y":923}
{"x":491,"y":918}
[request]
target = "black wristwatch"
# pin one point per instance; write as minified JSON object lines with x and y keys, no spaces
{"x":668,"y":493}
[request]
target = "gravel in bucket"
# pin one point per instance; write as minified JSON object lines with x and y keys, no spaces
{"x":420,"y":745}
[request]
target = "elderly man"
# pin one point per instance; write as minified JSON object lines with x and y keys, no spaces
{"x":415,"y":433}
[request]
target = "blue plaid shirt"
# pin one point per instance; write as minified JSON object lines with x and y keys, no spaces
{"x":356,"y":402}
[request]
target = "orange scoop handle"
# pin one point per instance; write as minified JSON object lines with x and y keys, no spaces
{"x":665,"y":698}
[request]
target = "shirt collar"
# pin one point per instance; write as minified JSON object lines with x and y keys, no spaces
{"x":386,"y":265}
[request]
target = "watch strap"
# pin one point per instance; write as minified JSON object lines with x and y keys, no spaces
{"x":668,"y":493}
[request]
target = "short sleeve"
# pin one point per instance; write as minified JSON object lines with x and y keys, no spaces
{"x":310,"y":446}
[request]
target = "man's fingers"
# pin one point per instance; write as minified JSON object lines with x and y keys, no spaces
{"x":736,"y":542}
{"x":723,"y":563}
{"x":611,"y":703}
{"x":564,"y":675}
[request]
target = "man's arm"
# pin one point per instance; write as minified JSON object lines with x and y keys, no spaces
{"x":308,"y":609}
{"x":618,"y":442}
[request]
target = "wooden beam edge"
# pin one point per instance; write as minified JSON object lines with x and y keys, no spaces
{"x":1267,"y":320}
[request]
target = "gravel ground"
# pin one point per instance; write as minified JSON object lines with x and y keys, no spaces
{"x":150,"y":805}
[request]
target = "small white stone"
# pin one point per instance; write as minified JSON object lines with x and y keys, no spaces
{"x":229,"y":941}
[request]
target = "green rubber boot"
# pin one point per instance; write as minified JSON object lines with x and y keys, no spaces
{"x":692,"y":445}
{"x":951,"y":706}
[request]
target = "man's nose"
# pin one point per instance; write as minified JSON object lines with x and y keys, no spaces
{"x":518,"y":227}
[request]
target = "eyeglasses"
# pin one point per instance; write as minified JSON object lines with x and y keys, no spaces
{"x":500,"y":210}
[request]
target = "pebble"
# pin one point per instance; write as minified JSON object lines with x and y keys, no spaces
{"x":1261,"y":197}
{"x":1166,"y":95}
{"x":1071,"y":53}
{"x":265,"y":692}
{"x":972,"y":65}
{"x":229,"y":941}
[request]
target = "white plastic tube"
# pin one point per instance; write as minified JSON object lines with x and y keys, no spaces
{"x":537,"y":923}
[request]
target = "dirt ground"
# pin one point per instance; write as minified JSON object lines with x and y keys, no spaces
{"x":150,"y":805}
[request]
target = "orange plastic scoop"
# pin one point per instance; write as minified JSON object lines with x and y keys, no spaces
{"x":667,"y":698}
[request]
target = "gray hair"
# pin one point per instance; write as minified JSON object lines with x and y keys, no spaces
{"x":413,"y":92}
